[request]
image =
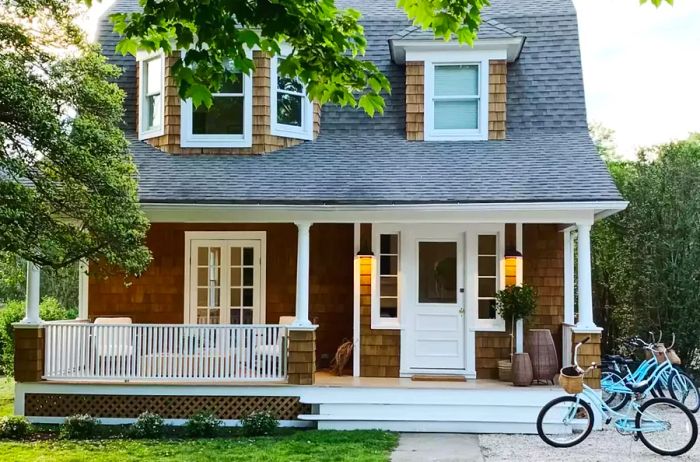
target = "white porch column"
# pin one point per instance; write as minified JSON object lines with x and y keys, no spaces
{"x":568,"y":277}
{"x":33,"y":282}
{"x":585,"y":290}
{"x":303,"y":251}
{"x":519,"y":324}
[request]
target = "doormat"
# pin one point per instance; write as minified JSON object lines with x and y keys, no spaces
{"x":438,"y":378}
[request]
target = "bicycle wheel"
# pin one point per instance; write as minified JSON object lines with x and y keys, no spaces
{"x":565,"y":421}
{"x":615,"y":400}
{"x":682,"y":388}
{"x":667,"y":427}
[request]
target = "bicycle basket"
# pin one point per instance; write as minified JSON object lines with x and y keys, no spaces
{"x":673,"y":356}
{"x":571,"y":380}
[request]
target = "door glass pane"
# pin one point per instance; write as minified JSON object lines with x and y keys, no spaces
{"x":247,"y":276}
{"x":437,"y":272}
{"x":236,"y":256}
{"x":247,"y":316}
{"x":247,"y":297}
{"x":248,"y":256}
{"x":235,"y":277}
{"x":235,"y":316}
{"x":235,"y":297}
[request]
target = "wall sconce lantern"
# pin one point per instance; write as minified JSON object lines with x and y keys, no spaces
{"x":365,"y":250}
{"x":513,"y":258}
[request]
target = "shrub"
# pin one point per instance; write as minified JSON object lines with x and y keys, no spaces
{"x":148,"y":425}
{"x":15,"y":427}
{"x":259,"y":423}
{"x":50,"y":310}
{"x":79,"y":427}
{"x":204,"y":424}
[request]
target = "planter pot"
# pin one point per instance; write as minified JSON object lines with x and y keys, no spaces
{"x":505,"y":371}
{"x":522,"y":370}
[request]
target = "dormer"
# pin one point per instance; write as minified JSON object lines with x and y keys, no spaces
{"x":260,"y":113}
{"x":455,"y":92}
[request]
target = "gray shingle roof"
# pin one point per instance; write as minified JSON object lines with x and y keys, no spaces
{"x":548,"y":155}
{"x":490,"y":29}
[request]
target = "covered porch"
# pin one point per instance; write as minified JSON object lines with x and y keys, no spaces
{"x":265,"y":295}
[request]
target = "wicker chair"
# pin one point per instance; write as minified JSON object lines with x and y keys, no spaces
{"x":539,"y":344}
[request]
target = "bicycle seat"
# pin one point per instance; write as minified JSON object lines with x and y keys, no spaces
{"x":638,"y":387}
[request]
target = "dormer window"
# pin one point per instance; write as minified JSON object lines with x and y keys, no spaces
{"x":291,"y":111}
{"x":456,"y":101}
{"x":227,"y":123}
{"x":151,"y":97}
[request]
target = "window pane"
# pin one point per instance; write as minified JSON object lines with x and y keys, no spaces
{"x":235,"y":316}
{"x":214,"y":317}
{"x":487,"y":309}
{"x":154,"y":76}
{"x":457,"y":80}
{"x":202,"y":276}
{"x":389,"y":286}
{"x":287,"y":84}
{"x":202,"y":297}
{"x":389,"y":243}
{"x":236,"y":256}
{"x":247,"y":276}
{"x":289,"y":109}
{"x":487,"y":244}
{"x":487,"y":287}
{"x":437,"y":272}
{"x":151,"y":113}
{"x":224,"y":117}
{"x":456,"y":115}
{"x":233,"y":87}
{"x":235,"y":297}
{"x":248,"y":256}
{"x":235,"y":277}
{"x":487,"y":266}
{"x":247,"y":316}
{"x":202,"y":317}
{"x":388,"y":308}
{"x":388,"y":264}
{"x":247,"y":297}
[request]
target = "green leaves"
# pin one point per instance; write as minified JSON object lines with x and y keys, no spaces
{"x":325,"y":42}
{"x":656,"y":3}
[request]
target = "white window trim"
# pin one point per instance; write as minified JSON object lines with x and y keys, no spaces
{"x":377,"y":322}
{"x":245,"y":140}
{"x":142,"y":58}
{"x":225,"y":236}
{"x":481,"y":132}
{"x":306,"y":131}
{"x":498,"y":324}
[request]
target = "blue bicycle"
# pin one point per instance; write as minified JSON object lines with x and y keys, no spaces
{"x":664,"y":425}
{"x":655,"y":376}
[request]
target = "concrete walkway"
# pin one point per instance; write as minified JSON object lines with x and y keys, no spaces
{"x":443,"y":447}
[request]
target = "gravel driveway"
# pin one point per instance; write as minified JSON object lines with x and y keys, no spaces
{"x":601,"y":446}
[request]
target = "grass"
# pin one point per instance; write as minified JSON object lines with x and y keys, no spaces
{"x":361,"y":445}
{"x":290,"y":445}
{"x":7,"y":395}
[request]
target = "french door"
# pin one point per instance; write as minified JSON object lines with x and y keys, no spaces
{"x":225,"y":281}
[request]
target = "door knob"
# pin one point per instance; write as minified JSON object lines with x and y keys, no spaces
{"x":461,"y":311}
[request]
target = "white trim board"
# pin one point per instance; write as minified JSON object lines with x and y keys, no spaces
{"x":532,"y":212}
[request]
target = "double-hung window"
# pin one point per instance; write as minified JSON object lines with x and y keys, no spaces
{"x":226,"y":123}
{"x":456,"y":101}
{"x":151,"y":97}
{"x":291,"y":111}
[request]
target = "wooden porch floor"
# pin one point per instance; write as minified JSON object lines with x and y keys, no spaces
{"x":327,"y":379}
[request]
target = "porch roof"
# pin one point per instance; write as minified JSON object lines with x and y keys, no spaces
{"x":385,"y":169}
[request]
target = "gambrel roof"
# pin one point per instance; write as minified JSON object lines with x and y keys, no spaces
{"x":547,"y":156}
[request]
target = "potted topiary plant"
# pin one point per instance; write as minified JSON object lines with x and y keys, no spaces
{"x":517,"y":302}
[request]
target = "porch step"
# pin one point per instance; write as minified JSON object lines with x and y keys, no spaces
{"x":506,"y":410}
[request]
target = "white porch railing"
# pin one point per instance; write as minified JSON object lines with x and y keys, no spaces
{"x":159,"y":352}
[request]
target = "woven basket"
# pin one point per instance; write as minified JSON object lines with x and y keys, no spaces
{"x":673,"y":356}
{"x":505,"y":371}
{"x":571,"y":380}
{"x":660,"y":357}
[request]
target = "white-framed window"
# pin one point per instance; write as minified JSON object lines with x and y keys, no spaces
{"x":490,"y":279}
{"x":456,"y":100}
{"x":386,"y":278}
{"x":227,"y":123}
{"x":151,"y":89}
{"x":291,"y":111}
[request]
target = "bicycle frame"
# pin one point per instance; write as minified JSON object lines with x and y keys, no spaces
{"x":623,"y":422}
{"x":660,"y":372}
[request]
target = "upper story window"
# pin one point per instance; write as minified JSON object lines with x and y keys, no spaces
{"x":226,"y":123}
{"x":291,"y":111}
{"x":151,"y":80}
{"x":456,"y":101}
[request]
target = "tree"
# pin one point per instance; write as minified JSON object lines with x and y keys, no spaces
{"x":604,"y":141}
{"x":67,"y":181}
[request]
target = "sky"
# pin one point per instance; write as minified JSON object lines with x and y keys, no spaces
{"x":640,"y":67}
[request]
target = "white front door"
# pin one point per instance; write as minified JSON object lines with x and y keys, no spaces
{"x":225,"y":281}
{"x":434,"y":300}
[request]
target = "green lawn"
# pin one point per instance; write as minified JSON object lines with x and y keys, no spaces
{"x":302,"y":445}
{"x":7,"y":395}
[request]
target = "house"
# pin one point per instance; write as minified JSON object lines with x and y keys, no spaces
{"x":281,"y":228}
